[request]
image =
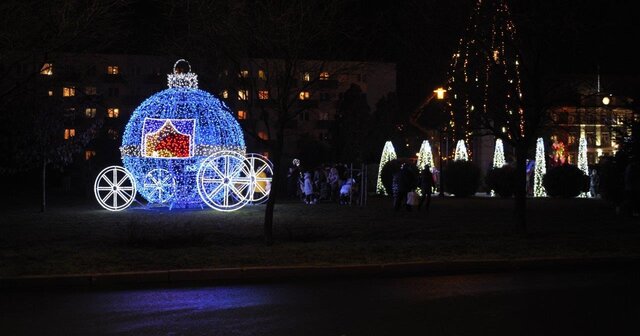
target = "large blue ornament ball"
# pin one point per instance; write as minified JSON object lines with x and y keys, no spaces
{"x":168,"y":137}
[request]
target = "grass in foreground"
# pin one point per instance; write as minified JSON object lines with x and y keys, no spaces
{"x":86,"y":239}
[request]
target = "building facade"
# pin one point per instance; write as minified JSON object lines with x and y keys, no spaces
{"x":108,"y":87}
{"x":604,"y":119}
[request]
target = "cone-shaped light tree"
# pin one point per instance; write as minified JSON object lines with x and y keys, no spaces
{"x":495,"y":84}
{"x":388,"y":154}
{"x":425,"y":155}
{"x":498,"y":155}
{"x":582,"y":158}
{"x":461,"y":151}
{"x":484,"y":78}
{"x":540,"y":170}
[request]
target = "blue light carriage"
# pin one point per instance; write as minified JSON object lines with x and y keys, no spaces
{"x":182,"y":149}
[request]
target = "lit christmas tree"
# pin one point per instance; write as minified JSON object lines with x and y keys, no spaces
{"x":425,"y":156}
{"x":498,"y":155}
{"x":388,"y":154}
{"x":540,"y":170}
{"x":461,"y":152}
{"x":484,"y":77}
{"x":582,"y":158}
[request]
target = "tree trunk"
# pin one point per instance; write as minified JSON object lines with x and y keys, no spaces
{"x":521,"y":189}
{"x":273,"y":193}
{"x":43,"y":205}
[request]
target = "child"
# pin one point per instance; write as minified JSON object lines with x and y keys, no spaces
{"x":412,"y":199}
{"x":345,"y":191}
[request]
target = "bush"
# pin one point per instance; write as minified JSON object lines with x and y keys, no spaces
{"x":391,"y":168}
{"x":502,"y":181}
{"x":565,"y":181}
{"x":461,"y":178}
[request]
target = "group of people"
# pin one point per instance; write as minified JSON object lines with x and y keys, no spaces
{"x":405,"y":187}
{"x":325,"y":183}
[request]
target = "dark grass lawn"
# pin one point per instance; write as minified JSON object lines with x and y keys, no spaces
{"x":87,"y":239}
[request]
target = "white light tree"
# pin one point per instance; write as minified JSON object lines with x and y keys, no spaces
{"x":461,"y":152}
{"x":540,"y":170}
{"x":425,"y":156}
{"x":582,"y":158}
{"x":388,"y":154}
{"x":498,"y":155}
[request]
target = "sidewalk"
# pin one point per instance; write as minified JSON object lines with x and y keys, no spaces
{"x":212,"y":276}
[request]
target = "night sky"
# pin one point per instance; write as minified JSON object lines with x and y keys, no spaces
{"x":578,"y":36}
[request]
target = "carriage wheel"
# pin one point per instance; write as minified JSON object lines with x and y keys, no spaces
{"x":114,"y":188}
{"x":224,"y":181}
{"x":160,"y":186}
{"x":261,"y":175}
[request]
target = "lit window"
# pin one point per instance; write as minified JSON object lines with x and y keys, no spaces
{"x":68,"y":91}
{"x":242,"y":115}
{"x":90,"y":91}
{"x":571,"y":139}
{"x":243,"y":95}
{"x":304,"y":95}
{"x":113,"y":70}
{"x":263,"y":135}
{"x":262,"y":75}
{"x":90,"y":112}
{"x":244,"y":74}
{"x":225,"y":94}
{"x":47,"y":69}
{"x":263,"y":94}
{"x":88,"y":154}
{"x":50,"y":93}
{"x":113,"y":112}
{"x":69,"y":133}
{"x":324,"y":75}
{"x":306,"y":77}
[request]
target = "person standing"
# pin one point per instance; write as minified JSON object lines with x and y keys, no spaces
{"x":594,"y":182}
{"x":400,"y":186}
{"x":426,"y":187}
{"x":308,"y":189}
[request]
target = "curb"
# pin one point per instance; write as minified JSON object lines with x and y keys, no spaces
{"x":265,"y":274}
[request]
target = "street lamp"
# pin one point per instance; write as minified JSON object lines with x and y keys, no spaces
{"x":440,"y":95}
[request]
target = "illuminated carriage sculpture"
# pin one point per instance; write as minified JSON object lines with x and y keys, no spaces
{"x":182,"y":148}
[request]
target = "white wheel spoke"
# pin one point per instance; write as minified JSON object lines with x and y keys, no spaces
{"x":106,"y":197}
{"x":159,"y":185}
{"x":104,"y":178}
{"x":215,"y":190}
{"x":260,"y":189}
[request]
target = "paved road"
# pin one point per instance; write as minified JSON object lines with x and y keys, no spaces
{"x":599,"y":302}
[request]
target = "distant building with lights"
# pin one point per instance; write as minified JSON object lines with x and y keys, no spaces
{"x":604,"y":118}
{"x":108,"y":87}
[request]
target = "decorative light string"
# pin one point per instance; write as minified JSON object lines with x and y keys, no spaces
{"x":484,"y":62}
